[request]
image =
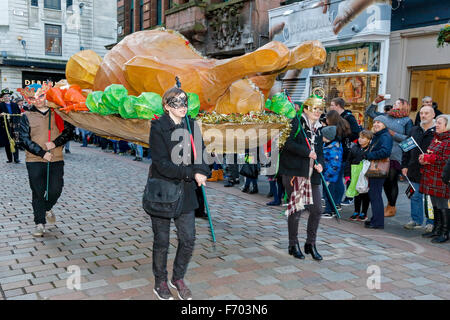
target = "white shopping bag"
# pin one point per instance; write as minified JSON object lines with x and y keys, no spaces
{"x":362,"y":186}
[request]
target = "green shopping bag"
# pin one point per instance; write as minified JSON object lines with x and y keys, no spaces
{"x":356,"y":170}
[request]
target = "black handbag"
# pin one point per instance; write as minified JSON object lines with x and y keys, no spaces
{"x":249,"y":170}
{"x":163,"y":198}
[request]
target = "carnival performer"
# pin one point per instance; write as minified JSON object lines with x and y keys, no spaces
{"x":433,"y":162}
{"x":300,"y":176}
{"x":185,"y":171}
{"x":10,"y":128}
{"x":43,"y":156}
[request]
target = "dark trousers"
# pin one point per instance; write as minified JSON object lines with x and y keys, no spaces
{"x":315,"y":212}
{"x":185,"y":225}
{"x":277,"y":189}
{"x":376,"y":201}
{"x":232,"y":169}
{"x":391,"y":186}
{"x":10,"y":155}
{"x":37,"y":174}
{"x":362,"y":202}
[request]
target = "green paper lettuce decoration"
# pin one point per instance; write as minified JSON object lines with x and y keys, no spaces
{"x":127,"y":109}
{"x":94,"y":102}
{"x":193,"y":104}
{"x":280,"y":104}
{"x":148,"y":104}
{"x":114,"y":96}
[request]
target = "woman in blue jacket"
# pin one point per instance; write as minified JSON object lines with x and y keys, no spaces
{"x":380,"y":148}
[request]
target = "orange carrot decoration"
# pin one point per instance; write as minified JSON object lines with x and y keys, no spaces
{"x":55,"y":95}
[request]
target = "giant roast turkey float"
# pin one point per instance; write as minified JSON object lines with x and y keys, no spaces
{"x":118,"y":96}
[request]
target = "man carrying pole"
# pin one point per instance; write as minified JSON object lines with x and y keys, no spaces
{"x":301,"y":175}
{"x":43,"y":134}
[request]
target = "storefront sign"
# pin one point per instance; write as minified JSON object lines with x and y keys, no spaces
{"x":303,"y":23}
{"x":39,"y":77}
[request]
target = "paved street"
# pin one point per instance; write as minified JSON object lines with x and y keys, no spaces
{"x":102,"y":229}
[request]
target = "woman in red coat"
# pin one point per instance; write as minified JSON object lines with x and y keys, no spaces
{"x":431,"y":183}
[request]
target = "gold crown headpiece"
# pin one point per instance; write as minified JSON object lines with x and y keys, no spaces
{"x":316,"y":99}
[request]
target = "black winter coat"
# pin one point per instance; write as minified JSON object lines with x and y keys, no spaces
{"x":166,"y":168}
{"x":294,"y":157}
{"x":380,"y":147}
{"x":13,"y":124}
{"x":410,"y":159}
{"x":355,"y":156}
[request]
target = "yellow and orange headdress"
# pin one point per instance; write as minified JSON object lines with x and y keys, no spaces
{"x":35,"y":92}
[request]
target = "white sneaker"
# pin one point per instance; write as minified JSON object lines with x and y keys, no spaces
{"x":412,"y":225}
{"x":50,"y":216}
{"x":39,"y":231}
{"x":429,"y":228}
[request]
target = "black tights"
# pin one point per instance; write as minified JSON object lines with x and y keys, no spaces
{"x":391,"y":186}
{"x":362,"y":202}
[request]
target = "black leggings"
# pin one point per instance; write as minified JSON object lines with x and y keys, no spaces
{"x":362,"y":202}
{"x":391,"y":186}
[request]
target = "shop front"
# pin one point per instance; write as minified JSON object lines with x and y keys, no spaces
{"x":357,"y":58}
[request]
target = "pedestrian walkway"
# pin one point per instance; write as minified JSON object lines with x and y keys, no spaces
{"x":102,"y":230}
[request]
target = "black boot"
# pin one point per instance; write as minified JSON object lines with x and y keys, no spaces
{"x":443,"y":235}
{"x":245,"y":189}
{"x":253,"y":190}
{"x":229,"y":184}
{"x":310,"y":248}
{"x":296,"y":252}
{"x":437,"y":224}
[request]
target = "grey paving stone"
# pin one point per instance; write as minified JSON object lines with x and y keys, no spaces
{"x":93,"y":284}
{"x":225,"y":272}
{"x":31,"y":296}
{"x":420,"y":281}
{"x":387,"y":296}
{"x":287,"y":269}
{"x":428,"y":297}
{"x":269,"y":297}
{"x":337,"y":295}
{"x":267,"y":280}
{"x":136,"y":283}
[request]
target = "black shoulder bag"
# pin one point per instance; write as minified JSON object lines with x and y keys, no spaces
{"x":163,"y":198}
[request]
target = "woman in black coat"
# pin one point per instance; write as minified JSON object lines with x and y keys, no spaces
{"x":295,"y":161}
{"x":174,"y":161}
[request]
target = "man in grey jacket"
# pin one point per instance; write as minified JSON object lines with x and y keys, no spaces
{"x":399,"y":125}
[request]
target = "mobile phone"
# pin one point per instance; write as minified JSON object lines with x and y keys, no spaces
{"x":387,"y":96}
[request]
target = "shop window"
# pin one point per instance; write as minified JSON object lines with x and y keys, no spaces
{"x":53,"y":39}
{"x":52,"y":4}
{"x":34,"y":3}
{"x":352,"y":58}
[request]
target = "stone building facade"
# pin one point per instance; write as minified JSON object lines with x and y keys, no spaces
{"x":217,"y":28}
{"x":37,"y":37}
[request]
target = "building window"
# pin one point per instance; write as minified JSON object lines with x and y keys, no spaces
{"x":53,"y":39}
{"x":141,"y":14}
{"x":132,"y":17}
{"x":35,"y":3}
{"x":170,"y":4}
{"x":69,"y":4}
{"x":52,"y":4}
{"x":158,"y":12}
